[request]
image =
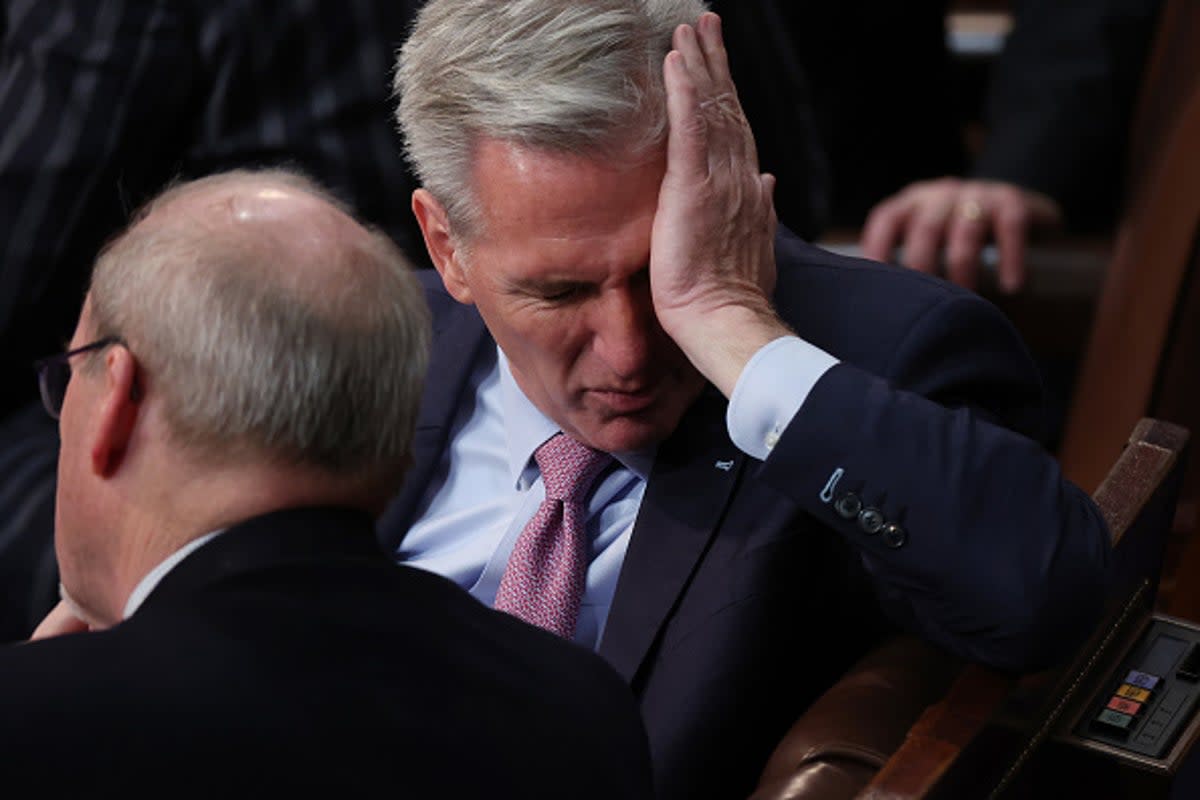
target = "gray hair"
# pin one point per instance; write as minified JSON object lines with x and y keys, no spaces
{"x":558,"y":75}
{"x":253,"y":357}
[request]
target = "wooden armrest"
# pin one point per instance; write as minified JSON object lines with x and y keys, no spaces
{"x":902,"y":716}
{"x":842,"y":740}
{"x":1137,"y":499}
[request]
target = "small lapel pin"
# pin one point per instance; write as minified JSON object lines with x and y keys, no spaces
{"x":725,"y":466}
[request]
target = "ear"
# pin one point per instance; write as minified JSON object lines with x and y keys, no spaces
{"x":117,"y":413}
{"x":435,"y":228}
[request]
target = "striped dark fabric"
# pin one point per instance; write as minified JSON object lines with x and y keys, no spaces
{"x":28,"y":570}
{"x":103,"y":102}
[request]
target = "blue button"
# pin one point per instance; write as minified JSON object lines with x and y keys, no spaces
{"x":1142,"y":679}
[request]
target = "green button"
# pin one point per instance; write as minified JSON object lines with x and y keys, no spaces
{"x":1114,"y":719}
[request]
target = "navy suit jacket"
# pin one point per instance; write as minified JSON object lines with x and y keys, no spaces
{"x":744,"y":593}
{"x":289,"y":657}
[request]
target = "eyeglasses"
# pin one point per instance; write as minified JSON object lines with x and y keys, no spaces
{"x":54,"y":372}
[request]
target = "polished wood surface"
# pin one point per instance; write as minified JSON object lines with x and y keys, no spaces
{"x":1143,"y":352}
{"x":1132,"y":319}
{"x":1123,"y":364}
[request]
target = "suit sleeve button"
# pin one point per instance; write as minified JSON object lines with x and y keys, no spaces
{"x":870,"y":520}
{"x":894,"y":536}
{"x":848,"y":505}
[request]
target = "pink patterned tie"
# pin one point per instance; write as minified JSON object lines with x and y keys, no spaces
{"x":545,"y":576}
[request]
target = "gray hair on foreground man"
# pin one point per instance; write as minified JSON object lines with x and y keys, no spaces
{"x":570,"y":78}
{"x":246,"y":346}
{"x":318,"y":360}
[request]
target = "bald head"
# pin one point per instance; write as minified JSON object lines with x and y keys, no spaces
{"x":288,"y":229}
{"x":272,"y":323}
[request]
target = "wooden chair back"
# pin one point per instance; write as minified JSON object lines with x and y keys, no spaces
{"x":1145,"y":337}
{"x":1142,"y":360}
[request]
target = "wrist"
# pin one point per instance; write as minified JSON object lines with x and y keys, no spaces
{"x":720,"y":342}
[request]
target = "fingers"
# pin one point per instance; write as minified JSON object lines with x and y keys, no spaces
{"x":916,"y":218}
{"x":61,"y":620}
{"x":768,"y":182}
{"x":712,"y":244}
{"x":712,"y":44}
{"x":884,"y":228}
{"x":969,"y":223}
{"x":1011,"y":215}
{"x":964,"y":215}
{"x":767,"y":277}
{"x":687,"y":139}
{"x":1011,"y":229}
{"x":687,"y":44}
{"x":702,"y":79}
{"x":927,"y":225}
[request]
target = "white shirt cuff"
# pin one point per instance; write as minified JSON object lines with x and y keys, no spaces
{"x":773,"y":385}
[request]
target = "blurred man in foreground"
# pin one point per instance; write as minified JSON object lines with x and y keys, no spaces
{"x":236,"y":406}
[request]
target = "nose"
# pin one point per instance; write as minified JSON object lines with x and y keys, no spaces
{"x":624,"y":331}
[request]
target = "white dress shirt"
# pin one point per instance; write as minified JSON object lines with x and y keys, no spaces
{"x":472,"y":518}
{"x":147,"y":584}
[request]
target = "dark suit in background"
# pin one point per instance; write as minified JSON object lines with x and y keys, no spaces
{"x":105,"y":101}
{"x":874,"y":81}
{"x":744,"y":594}
{"x":289,"y":657}
{"x":1062,"y":101}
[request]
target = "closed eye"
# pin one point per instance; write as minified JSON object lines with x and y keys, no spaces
{"x":557,"y":292}
{"x":561,"y":294}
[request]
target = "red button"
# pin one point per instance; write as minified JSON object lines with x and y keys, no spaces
{"x":1125,"y":706}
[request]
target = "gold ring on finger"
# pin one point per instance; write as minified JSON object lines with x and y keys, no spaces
{"x":971,"y":210}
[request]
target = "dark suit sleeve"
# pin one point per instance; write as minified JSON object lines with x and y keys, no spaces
{"x":1003,"y":560}
{"x":1061,"y":99}
{"x":90,"y":91}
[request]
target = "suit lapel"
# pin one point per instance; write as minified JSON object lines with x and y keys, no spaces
{"x":458,"y":333}
{"x":688,"y":491}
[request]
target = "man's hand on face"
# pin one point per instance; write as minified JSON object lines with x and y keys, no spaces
{"x":712,"y":261}
{"x":963,"y":214}
{"x":61,"y":620}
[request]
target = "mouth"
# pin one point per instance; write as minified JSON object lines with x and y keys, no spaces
{"x":625,"y":402}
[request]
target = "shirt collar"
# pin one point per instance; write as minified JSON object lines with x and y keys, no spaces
{"x":147,"y":584}
{"x":527,"y":428}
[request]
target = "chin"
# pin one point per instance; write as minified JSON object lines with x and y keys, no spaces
{"x":605,"y":429}
{"x":627,"y":434}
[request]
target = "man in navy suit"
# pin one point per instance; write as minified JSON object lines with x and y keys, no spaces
{"x":236,"y":406}
{"x":804,"y":445}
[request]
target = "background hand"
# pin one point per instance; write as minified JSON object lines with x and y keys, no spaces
{"x":963,"y":215}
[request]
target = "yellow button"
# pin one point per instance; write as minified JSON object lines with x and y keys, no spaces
{"x":1133,"y":693}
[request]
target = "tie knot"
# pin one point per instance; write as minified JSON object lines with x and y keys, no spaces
{"x":569,"y":467}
